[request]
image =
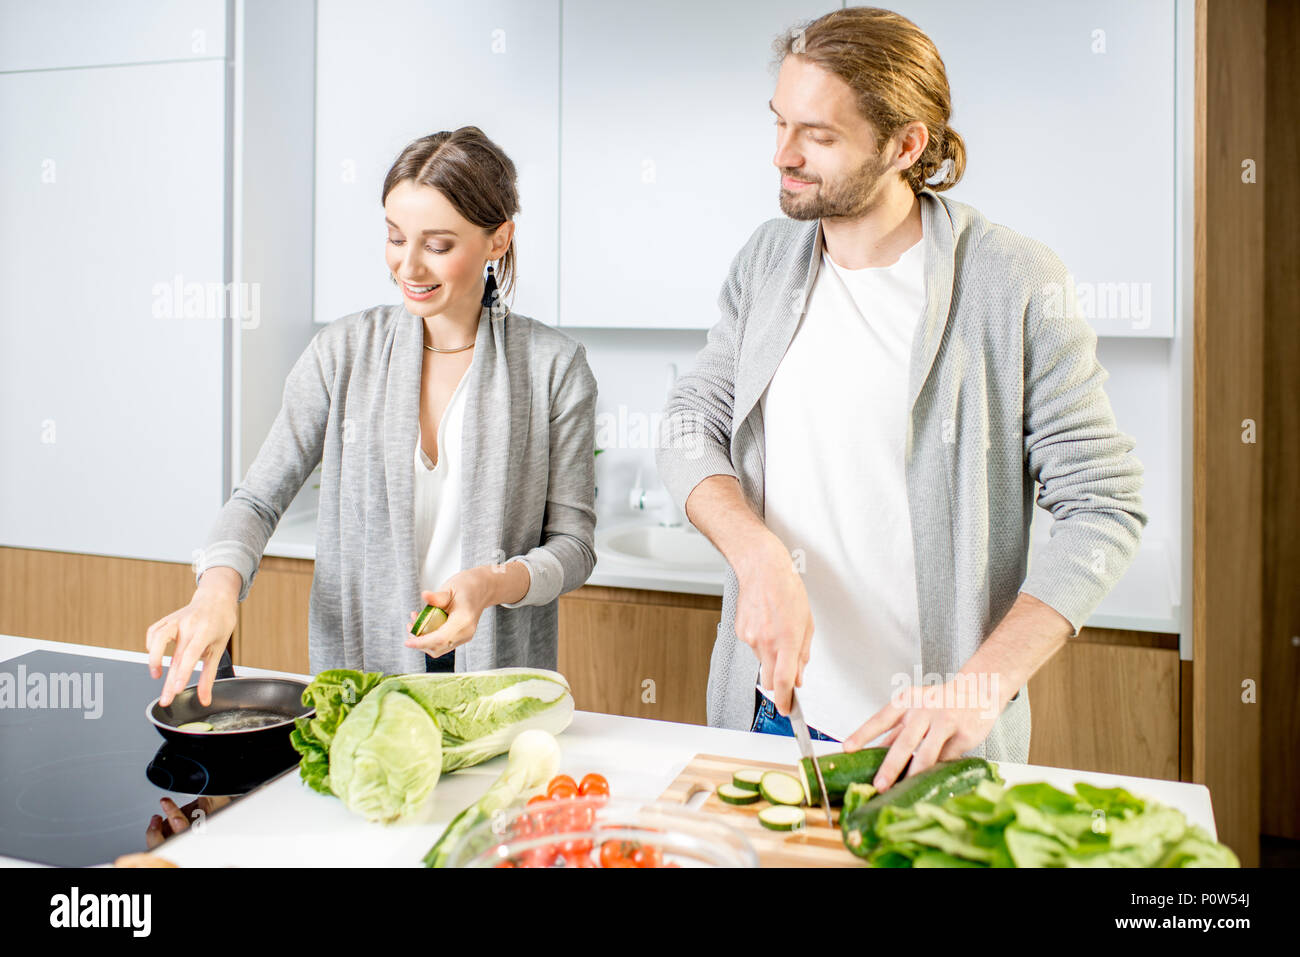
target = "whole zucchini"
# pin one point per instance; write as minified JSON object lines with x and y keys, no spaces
{"x":841,"y":770}
{"x":945,"y":779}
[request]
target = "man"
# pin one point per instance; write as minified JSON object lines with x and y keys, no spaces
{"x":861,"y":436}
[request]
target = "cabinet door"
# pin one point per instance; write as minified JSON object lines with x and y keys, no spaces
{"x":392,"y":71}
{"x":666,"y":154}
{"x":56,"y":34}
{"x":111,"y":306}
{"x":637,"y":653}
{"x":273,"y":618}
{"x":1068,"y":113}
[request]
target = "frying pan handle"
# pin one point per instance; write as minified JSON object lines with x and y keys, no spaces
{"x":225,"y":667}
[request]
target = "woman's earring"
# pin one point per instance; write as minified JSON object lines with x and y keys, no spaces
{"x":490,"y":288}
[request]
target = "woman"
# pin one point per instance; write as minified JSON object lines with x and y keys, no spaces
{"x":452,"y":433}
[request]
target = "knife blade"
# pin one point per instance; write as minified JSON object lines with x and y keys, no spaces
{"x":804,"y":738}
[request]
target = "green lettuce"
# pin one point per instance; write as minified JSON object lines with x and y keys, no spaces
{"x":383,"y":757}
{"x":386,"y":758}
{"x":481,"y":712}
{"x":1038,"y":825}
{"x":333,"y":694}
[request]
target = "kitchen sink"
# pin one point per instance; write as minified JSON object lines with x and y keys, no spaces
{"x":678,"y":547}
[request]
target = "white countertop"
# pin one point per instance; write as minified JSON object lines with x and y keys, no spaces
{"x":286,"y":823}
{"x":1143,"y":600}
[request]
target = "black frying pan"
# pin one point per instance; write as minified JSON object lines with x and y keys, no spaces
{"x":249,"y":715}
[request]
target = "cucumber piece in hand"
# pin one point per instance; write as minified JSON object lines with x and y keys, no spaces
{"x":428,"y":620}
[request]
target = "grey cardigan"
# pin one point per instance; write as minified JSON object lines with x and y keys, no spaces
{"x":1005,"y":391}
{"x":351,"y":402}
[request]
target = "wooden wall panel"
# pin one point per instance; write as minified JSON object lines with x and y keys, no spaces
{"x":87,"y":599}
{"x":1103,"y":706}
{"x":1227,"y":481}
{"x":610,"y":649}
{"x":273,"y":618}
{"x":1280,"y":691}
{"x":1125,"y":684}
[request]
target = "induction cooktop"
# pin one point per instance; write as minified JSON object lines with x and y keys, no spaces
{"x":82,"y":771}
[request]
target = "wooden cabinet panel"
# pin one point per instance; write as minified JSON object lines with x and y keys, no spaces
{"x":637,"y":653}
{"x":1109,"y":701}
{"x":87,"y":599}
{"x":273,"y":618}
{"x":1101,"y":706}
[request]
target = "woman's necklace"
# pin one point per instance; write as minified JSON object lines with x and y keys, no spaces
{"x":457,"y":349}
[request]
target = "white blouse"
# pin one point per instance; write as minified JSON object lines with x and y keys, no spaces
{"x":438,"y":498}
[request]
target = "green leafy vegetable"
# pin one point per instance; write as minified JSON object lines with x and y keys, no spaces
{"x":333,"y":694}
{"x":534,"y":759}
{"x":1038,"y":825}
{"x":386,"y":758}
{"x":383,"y":758}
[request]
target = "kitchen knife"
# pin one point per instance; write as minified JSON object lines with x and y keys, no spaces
{"x":801,"y":735}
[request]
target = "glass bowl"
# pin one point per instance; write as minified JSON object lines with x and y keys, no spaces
{"x":600,"y":832}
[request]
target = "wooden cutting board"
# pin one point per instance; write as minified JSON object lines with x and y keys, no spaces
{"x":817,"y":845}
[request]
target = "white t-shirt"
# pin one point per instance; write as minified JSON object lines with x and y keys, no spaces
{"x":835,"y":417}
{"x":438,"y":498}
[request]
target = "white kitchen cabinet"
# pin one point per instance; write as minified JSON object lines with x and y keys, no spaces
{"x":57,"y":34}
{"x":666,"y":154}
{"x":392,"y":71}
{"x":111,"y":386}
{"x":1068,"y":114}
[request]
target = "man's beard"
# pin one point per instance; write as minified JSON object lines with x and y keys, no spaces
{"x":849,"y":198}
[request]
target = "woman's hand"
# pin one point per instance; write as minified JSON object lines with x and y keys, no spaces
{"x":179,"y":819}
{"x":200,"y":630}
{"x":463,"y":596}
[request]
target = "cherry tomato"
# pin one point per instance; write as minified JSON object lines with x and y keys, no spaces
{"x":620,"y":862}
{"x":561,"y":790}
{"x":581,"y":816}
{"x":577,"y":849}
{"x":611,"y":851}
{"x":508,"y":862}
{"x":593,"y":784}
{"x":561,"y":779}
{"x":647,"y":855}
{"x":537,"y":799}
{"x":543,"y":856}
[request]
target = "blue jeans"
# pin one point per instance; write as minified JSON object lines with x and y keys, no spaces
{"x":767,"y":720}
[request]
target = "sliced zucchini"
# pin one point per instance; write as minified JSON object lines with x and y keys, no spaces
{"x":782,"y":817}
{"x":748,"y":778}
{"x":777,"y":787}
{"x":734,"y":795}
{"x":427,"y":620}
{"x":841,"y":770}
{"x":934,"y":785}
{"x":194,"y":726}
{"x":856,"y":795}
